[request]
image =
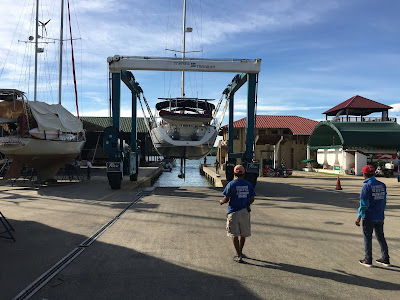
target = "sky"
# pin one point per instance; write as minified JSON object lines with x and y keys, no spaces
{"x":315,"y":54}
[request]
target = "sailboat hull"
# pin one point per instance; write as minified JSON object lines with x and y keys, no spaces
{"x":47,"y":156}
{"x":187,"y":152}
{"x":187,"y":149}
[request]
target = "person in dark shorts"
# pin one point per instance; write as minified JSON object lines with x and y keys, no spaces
{"x":372,"y":213}
{"x":240,"y":194}
{"x":216,"y":166}
{"x":89,"y":169}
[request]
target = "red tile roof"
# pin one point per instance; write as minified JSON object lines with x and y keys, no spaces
{"x":297,"y":125}
{"x":360,"y":103}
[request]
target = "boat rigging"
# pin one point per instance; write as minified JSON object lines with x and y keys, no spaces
{"x":35,"y":133}
{"x":184,"y":128}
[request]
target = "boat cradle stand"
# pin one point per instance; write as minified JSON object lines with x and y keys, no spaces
{"x":8,"y":228}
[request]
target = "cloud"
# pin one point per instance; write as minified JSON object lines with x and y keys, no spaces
{"x":241,"y":104}
{"x":95,"y":96}
{"x":239,"y":114}
{"x":269,"y":16}
{"x":396,"y":107}
{"x":288,"y":107}
{"x":95,"y":6}
{"x":125,"y":112}
{"x":95,"y":113}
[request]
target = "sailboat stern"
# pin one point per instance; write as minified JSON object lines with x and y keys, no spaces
{"x":179,"y":142}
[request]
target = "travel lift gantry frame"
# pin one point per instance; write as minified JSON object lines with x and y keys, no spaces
{"x":119,"y":66}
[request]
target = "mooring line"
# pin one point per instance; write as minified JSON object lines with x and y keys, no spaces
{"x":35,"y":286}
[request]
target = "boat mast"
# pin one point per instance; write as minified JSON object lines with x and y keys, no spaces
{"x":61,"y":49}
{"x":183,"y":49}
{"x":36,"y":48}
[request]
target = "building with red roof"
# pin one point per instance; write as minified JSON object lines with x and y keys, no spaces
{"x":279,"y":138}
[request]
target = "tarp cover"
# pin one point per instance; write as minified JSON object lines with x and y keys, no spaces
{"x":54,"y":117}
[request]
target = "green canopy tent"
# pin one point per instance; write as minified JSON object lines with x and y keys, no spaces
{"x":355,"y":135}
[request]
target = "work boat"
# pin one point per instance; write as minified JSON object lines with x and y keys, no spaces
{"x":37,"y":134}
{"x":186,"y":129}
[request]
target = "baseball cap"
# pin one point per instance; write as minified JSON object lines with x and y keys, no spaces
{"x":368,"y":169}
{"x":238,"y":170}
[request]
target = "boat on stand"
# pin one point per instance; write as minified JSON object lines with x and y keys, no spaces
{"x":34,"y":133}
{"x":187,"y":128}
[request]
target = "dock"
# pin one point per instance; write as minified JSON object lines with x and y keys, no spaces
{"x":171,"y":243}
{"x":217,"y":179}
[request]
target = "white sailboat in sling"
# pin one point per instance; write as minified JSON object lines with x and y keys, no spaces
{"x":187,"y":129}
{"x":35,"y":133}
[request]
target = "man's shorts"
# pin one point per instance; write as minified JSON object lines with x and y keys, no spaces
{"x":238,"y":223}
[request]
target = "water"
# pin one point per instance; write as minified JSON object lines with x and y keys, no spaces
{"x":193,"y":176}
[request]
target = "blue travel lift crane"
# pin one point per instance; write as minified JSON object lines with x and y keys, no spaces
{"x":123,"y":162}
{"x":252,"y":168}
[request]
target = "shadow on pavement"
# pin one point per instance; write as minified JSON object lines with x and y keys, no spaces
{"x":90,"y":193}
{"x":341,"y":276}
{"x":102,"y":271}
{"x":299,"y":194}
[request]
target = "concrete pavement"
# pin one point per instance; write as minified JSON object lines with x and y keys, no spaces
{"x":172,"y":244}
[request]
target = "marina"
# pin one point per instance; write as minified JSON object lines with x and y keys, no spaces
{"x":127,"y":202}
{"x":193,"y":176}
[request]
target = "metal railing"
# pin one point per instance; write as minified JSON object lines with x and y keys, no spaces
{"x":362,"y":119}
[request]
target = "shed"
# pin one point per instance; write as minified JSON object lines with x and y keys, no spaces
{"x":94,"y":127}
{"x":343,"y":144}
{"x":356,"y":135}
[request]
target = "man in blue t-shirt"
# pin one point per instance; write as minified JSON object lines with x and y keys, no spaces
{"x":240,"y":194}
{"x":372,"y":211}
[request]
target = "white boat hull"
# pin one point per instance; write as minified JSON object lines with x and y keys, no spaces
{"x":183,"y":148}
{"x":47,"y":156}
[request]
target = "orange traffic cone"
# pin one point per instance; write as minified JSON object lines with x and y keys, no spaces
{"x":338,"y":186}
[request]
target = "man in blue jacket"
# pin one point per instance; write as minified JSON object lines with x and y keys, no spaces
{"x":372,"y":211}
{"x":240,"y":194}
